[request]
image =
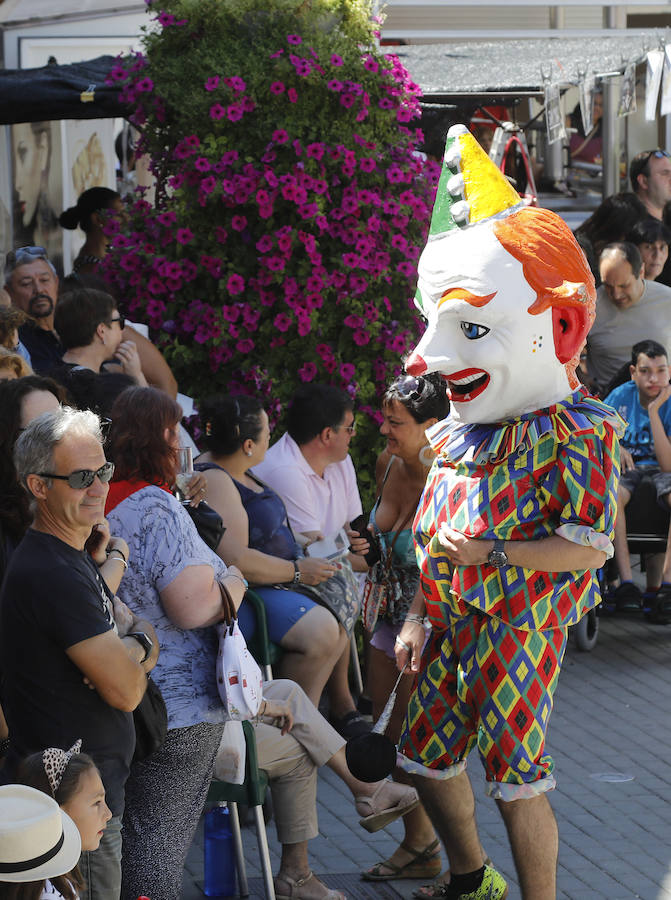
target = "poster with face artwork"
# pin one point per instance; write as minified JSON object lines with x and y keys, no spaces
{"x":89,"y":162}
{"x":37,"y":187}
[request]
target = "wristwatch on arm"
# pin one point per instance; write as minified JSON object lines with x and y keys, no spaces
{"x":498,"y":557}
{"x":145,"y":641}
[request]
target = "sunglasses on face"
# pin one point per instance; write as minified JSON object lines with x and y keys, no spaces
{"x":411,"y":387}
{"x":84,"y":478}
{"x":121,"y":320}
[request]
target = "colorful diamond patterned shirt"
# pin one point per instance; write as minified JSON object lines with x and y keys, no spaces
{"x":553,"y":471}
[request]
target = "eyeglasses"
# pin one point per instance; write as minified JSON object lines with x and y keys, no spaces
{"x":21,"y":254}
{"x":640,"y":162}
{"x":350,"y":429}
{"x":121,"y":320}
{"x":84,"y":478}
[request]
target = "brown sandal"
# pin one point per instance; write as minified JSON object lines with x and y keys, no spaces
{"x":424,"y":864}
{"x":389,"y":801}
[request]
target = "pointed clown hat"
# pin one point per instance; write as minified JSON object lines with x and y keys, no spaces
{"x":471,"y":188}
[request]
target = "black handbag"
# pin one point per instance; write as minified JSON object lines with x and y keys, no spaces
{"x":151,"y":722}
{"x":208,"y":523}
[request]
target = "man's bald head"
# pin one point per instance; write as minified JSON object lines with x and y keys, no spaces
{"x":621,"y":270}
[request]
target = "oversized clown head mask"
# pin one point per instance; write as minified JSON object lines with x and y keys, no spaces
{"x":506,"y":291}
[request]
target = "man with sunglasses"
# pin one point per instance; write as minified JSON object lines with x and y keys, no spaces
{"x":91,"y":331}
{"x":32,"y":284}
{"x":74,"y":659}
{"x":650,"y":177}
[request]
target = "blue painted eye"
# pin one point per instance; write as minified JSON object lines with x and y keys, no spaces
{"x":473,"y":331}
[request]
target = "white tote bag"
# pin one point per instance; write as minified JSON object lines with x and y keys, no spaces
{"x":239,"y":678}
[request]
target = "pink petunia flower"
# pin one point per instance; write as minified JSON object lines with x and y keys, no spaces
{"x":217,"y":111}
{"x":235,"y":82}
{"x":184,"y":235}
{"x":316,"y":151}
{"x":336,"y":60}
{"x":294,"y":39}
{"x":207,"y":185}
{"x":235,"y":284}
{"x":282,"y":322}
{"x":245,"y":346}
{"x":280,"y":136}
{"x":347,"y":370}
{"x":212,"y":83}
{"x":307,"y":372}
{"x":239,"y":223}
{"x":231,"y":313}
{"x":292,"y":95}
{"x":277,"y":87}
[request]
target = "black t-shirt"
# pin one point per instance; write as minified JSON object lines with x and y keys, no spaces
{"x":44,"y":347}
{"x":89,"y":389}
{"x":52,"y":598}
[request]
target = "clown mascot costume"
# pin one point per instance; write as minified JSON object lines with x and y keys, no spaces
{"x":517,"y":513}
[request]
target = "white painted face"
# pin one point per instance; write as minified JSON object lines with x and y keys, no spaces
{"x":498,"y":359}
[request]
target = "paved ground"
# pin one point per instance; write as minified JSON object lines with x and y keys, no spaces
{"x":610,"y":734}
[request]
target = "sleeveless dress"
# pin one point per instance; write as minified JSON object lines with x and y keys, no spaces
{"x":269,"y":532}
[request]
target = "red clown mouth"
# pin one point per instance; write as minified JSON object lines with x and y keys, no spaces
{"x":466,"y":385}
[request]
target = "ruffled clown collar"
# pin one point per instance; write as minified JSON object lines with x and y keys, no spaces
{"x":492,"y":443}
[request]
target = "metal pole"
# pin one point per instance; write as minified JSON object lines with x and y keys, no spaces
{"x":554,"y":162}
{"x":613,"y":17}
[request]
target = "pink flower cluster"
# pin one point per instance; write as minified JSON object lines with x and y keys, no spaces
{"x":300,"y":253}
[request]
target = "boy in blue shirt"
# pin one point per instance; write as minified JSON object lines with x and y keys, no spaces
{"x":645,"y":452}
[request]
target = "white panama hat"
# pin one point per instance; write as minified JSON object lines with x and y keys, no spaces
{"x":37,"y":839}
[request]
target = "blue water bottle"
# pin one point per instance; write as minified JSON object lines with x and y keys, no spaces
{"x":219,"y":854}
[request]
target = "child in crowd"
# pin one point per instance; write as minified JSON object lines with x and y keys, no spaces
{"x":645,"y":452}
{"x":72,"y":779}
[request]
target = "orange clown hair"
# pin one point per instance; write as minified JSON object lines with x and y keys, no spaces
{"x":556,"y":268}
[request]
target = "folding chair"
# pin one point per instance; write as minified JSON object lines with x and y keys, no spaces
{"x":251,"y":793}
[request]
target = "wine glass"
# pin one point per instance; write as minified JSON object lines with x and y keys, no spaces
{"x":184,"y":473}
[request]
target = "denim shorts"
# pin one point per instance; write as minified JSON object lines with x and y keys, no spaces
{"x":283,"y":609}
{"x":662,"y":481}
